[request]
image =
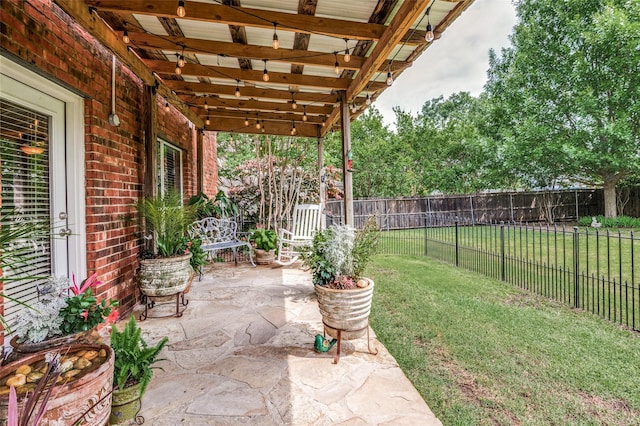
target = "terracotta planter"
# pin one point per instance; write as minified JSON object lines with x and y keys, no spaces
{"x":21,"y":350}
{"x":346,"y":310}
{"x":90,"y":393}
{"x":165,"y":276}
{"x":125,"y":406}
{"x":264,"y":257}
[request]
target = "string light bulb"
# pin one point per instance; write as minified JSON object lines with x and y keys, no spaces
{"x":206,"y":105}
{"x":389,"y":79}
{"x":181,"y":61}
{"x":293,"y":129}
{"x":265,"y":74}
{"x":258,"y":121}
{"x":246,"y":119}
{"x":181,"y":11}
{"x":324,"y":120}
{"x":263,"y":126}
{"x":207,"y":121}
{"x":429,"y":36}
{"x":276,"y":43}
{"x":125,"y":36}
{"x":166,"y":105}
{"x":294,"y":105}
{"x":336,"y":65}
{"x":237,"y":88}
{"x":347,"y":56}
{"x":178,"y":69}
{"x":368,"y":100}
{"x":304,"y":115}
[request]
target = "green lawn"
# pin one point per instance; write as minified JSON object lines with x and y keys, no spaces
{"x":542,"y":260}
{"x":481,"y":351}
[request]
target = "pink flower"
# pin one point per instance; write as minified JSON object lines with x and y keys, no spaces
{"x":90,"y":282}
{"x":85,"y":315}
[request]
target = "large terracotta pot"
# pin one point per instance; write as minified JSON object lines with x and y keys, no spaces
{"x":89,"y":394}
{"x":165,"y":276}
{"x":20,"y":350}
{"x":126,"y":405}
{"x":346,"y":310}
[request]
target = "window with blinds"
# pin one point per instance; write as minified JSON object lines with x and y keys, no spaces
{"x":170,"y":178}
{"x":24,"y":198}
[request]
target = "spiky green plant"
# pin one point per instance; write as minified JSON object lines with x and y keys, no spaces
{"x":133,"y":357}
{"x":167,"y":220}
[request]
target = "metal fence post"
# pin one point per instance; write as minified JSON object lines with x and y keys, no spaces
{"x":426,"y":238}
{"x":457,"y":244}
{"x":502,"y":254}
{"x":576,"y":266}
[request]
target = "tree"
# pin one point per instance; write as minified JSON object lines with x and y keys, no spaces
{"x":566,"y":95}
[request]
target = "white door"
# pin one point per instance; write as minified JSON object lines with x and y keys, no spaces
{"x":36,"y":145}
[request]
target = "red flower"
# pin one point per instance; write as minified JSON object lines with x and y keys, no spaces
{"x":85,"y":315}
{"x":112,"y":318}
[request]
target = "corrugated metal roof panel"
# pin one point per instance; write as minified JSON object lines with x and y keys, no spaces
{"x":215,"y":60}
{"x":359,"y":11}
{"x":322,"y":43}
{"x":151,"y":24}
{"x":290,"y":6}
{"x":264,"y":37}
{"x":205,"y":30}
{"x":271,"y":66}
{"x":319,"y":71}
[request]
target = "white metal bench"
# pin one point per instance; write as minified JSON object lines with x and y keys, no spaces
{"x":219,"y":234}
{"x":305,"y":222}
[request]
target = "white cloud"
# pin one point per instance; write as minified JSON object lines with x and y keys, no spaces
{"x":455,"y":63}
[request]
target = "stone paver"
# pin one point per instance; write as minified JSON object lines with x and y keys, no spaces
{"x":242,"y":354}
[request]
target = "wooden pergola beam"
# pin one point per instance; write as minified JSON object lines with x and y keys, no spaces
{"x":309,"y":130}
{"x":93,"y":24}
{"x":198,"y":70}
{"x":249,"y":91}
{"x":269,"y":116}
{"x":292,"y":56}
{"x":251,"y":105}
{"x":404,"y":18}
{"x":243,"y":16}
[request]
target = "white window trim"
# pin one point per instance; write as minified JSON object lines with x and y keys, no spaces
{"x":163,"y":144}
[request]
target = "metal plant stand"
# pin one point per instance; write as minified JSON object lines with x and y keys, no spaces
{"x":336,"y":358}
{"x":150,"y":302}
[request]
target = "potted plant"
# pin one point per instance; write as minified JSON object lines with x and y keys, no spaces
{"x":337,"y":258}
{"x":64,"y":314}
{"x":265,"y":242}
{"x":167,"y":268}
{"x":133,"y":370}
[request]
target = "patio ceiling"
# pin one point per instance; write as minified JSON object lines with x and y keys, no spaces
{"x":228,"y":51}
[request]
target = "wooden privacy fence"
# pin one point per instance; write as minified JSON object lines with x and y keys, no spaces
{"x":533,"y":206}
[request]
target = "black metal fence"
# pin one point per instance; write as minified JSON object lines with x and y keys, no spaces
{"x":586,"y":268}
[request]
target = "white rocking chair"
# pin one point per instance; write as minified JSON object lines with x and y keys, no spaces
{"x":305,"y":222}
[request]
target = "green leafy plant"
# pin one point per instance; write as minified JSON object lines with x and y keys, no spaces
{"x":133,"y":357}
{"x":166,"y":220}
{"x":220,"y":206}
{"x":339,"y":254}
{"x":264,"y":239}
{"x":611,"y":222}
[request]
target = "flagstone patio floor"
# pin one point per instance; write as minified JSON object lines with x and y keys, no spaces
{"x":242,"y":354}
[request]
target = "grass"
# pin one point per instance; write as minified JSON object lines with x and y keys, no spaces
{"x":541,"y":259}
{"x":482,"y":352}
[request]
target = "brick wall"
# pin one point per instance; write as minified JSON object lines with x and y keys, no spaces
{"x":45,"y":39}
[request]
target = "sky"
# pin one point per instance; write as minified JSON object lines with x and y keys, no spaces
{"x":457,"y":62}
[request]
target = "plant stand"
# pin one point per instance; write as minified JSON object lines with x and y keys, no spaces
{"x":151,"y":301}
{"x":336,"y":358}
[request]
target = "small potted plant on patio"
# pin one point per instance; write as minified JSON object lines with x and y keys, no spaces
{"x":133,"y":370}
{"x":337,"y":258}
{"x":167,"y":269}
{"x":265,"y":242}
